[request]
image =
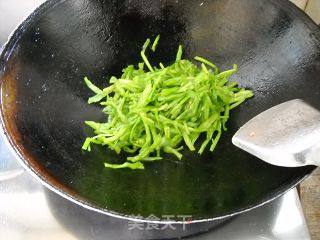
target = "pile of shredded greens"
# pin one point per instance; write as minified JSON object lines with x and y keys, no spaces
{"x":152,"y":109}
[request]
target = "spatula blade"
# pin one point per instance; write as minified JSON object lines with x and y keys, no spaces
{"x":285,"y":135}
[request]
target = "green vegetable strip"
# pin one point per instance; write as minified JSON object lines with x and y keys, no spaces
{"x":155,"y":43}
{"x":157,"y":110}
{"x":144,"y":57}
{"x":210,"y":64}
{"x":161,"y":65}
{"x":137,"y":165}
{"x":179,"y":54}
{"x":91,"y":86}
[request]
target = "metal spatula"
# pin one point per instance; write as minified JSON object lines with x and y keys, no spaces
{"x":285,"y":135}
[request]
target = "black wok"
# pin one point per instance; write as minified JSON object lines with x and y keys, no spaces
{"x":44,"y":99}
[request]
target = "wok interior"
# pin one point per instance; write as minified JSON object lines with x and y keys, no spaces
{"x":44,"y":98}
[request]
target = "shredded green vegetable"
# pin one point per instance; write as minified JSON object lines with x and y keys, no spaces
{"x":155,"y":43}
{"x":160,"y":108}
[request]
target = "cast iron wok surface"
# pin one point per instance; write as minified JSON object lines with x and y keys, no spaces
{"x":44,"y":99}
